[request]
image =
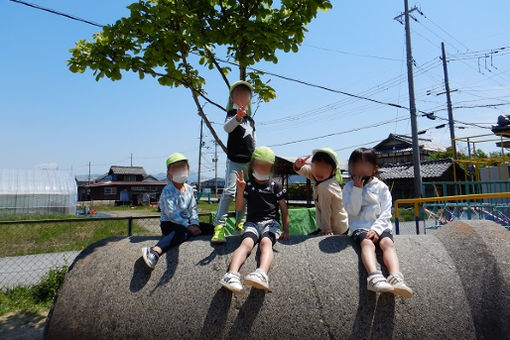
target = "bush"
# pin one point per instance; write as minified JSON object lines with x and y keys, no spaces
{"x":33,"y":299}
{"x":46,"y":289}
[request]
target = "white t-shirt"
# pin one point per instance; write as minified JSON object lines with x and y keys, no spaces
{"x":368,"y":207}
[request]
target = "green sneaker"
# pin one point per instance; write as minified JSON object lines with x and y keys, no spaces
{"x":240,"y":227}
{"x":219,"y":234}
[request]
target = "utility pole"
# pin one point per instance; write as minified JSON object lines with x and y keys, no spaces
{"x":131,"y":159}
{"x":449,"y":101}
{"x":200,"y":154}
{"x":89,"y":174}
{"x":215,"y":168}
{"x":412,"y":103}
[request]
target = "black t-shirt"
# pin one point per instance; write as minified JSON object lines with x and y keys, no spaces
{"x":262,"y":200}
{"x":241,"y":141}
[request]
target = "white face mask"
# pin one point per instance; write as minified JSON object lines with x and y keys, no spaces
{"x":259,"y":176}
{"x":180,"y":177}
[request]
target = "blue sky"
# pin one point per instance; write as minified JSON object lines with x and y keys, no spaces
{"x":52,"y":116}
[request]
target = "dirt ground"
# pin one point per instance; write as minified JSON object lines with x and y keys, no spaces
{"x":22,"y":326}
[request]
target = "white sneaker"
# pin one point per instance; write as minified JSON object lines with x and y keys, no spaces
{"x":232,"y":282}
{"x":377,"y":283}
{"x":258,"y":279}
{"x":399,"y":286}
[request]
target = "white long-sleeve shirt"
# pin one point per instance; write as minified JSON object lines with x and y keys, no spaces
{"x":368,"y":207}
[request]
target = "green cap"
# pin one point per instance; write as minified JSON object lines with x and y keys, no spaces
{"x":230,"y":104}
{"x":174,"y":158}
{"x":330,"y":152}
{"x":263,"y":153}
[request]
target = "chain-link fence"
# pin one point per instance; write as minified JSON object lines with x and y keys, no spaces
{"x":30,"y":248}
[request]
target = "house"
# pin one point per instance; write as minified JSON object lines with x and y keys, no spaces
{"x":397,"y":149}
{"x":400,"y":177}
{"x":126,"y":185}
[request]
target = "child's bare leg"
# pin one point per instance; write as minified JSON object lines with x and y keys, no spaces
{"x":368,"y":255}
{"x":240,"y":254}
{"x":389,"y":255}
{"x":266,"y":254}
{"x":157,"y":249}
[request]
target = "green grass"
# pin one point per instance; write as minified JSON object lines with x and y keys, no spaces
{"x":37,"y":238}
{"x":34,"y":299}
{"x":138,"y":208}
{"x":36,"y":217}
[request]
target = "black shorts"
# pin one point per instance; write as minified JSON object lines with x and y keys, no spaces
{"x":359,"y":235}
{"x":256,"y":239}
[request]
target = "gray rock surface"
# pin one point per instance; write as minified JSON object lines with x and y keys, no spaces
{"x":460,"y":276}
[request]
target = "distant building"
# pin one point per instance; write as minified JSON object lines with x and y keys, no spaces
{"x":125,"y":185}
{"x":400,"y":177}
{"x":397,"y":149}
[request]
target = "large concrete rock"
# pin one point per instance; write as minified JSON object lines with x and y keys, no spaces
{"x":460,"y":277}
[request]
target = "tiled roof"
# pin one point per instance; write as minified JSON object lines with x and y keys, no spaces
{"x":425,"y":144}
{"x":127,"y":170}
{"x":130,"y":183}
{"x":429,"y":169}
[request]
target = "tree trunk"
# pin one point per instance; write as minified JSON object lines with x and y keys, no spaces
{"x":242,"y":72}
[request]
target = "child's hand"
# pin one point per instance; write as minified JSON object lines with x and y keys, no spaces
{"x":194,"y":230}
{"x":284,"y":236}
{"x":241,"y":183}
{"x":372,"y":235}
{"x":358,"y":181}
{"x":300,"y":162}
{"x":241,"y":112}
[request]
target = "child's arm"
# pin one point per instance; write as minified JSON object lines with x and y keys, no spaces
{"x":285,"y":219}
{"x":352,"y":199}
{"x":232,"y":122}
{"x":383,"y":222}
{"x":241,"y":184}
{"x":194,"y":212}
{"x":303,"y":168}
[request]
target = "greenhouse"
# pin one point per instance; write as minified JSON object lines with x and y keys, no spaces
{"x":37,"y":192}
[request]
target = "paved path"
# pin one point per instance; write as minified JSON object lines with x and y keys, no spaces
{"x":28,"y":269}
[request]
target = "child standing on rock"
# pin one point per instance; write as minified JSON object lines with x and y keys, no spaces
{"x":240,"y":127}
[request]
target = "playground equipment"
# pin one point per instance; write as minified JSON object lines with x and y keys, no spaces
{"x":502,"y":162}
{"x":460,"y":276}
{"x":472,"y":200}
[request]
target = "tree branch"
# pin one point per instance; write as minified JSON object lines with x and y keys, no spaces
{"x":218,"y":67}
{"x":199,"y":107}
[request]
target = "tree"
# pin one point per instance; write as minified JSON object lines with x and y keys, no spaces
{"x":174,"y":40}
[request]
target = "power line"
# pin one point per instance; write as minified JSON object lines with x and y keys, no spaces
{"x":52,"y":11}
{"x":351,"y":53}
{"x":340,"y":132}
{"x":357,"y":145}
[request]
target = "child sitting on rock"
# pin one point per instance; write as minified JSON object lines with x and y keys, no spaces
{"x":264,"y":198}
{"x":179,"y":214}
{"x":368,"y":203}
{"x":327,"y":193}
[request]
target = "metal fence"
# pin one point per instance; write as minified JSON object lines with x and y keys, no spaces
{"x":30,"y":248}
{"x":444,"y":209}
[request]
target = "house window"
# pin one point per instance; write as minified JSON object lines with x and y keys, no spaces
{"x":110,"y":191}
{"x":129,"y":178}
